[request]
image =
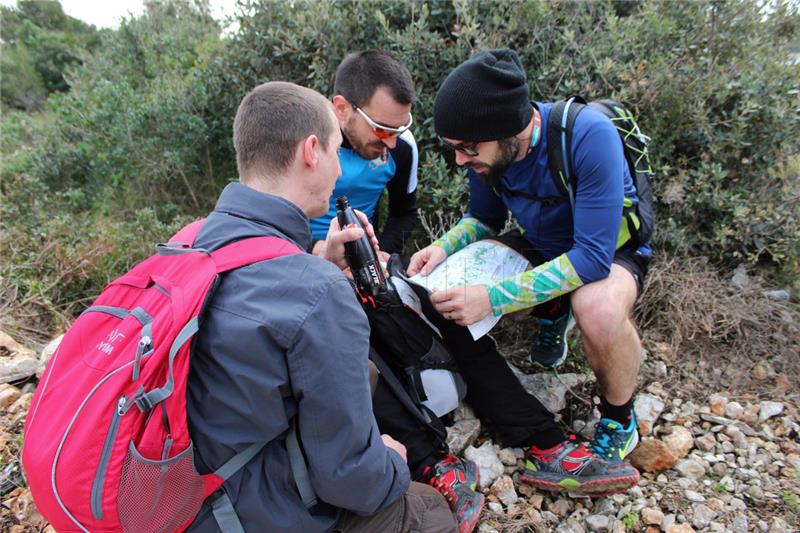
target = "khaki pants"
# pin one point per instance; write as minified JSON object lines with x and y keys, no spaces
{"x":421,"y":510}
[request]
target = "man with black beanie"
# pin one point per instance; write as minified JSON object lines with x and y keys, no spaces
{"x":582,"y":268}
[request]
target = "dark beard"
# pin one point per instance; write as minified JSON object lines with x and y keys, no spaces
{"x":509,"y":148}
{"x":362,"y":149}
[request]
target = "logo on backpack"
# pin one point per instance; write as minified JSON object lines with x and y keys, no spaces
{"x":107,"y":346}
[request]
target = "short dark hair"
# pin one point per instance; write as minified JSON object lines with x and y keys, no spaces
{"x":271,"y":120}
{"x":361,"y":73}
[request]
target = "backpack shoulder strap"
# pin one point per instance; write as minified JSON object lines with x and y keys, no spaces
{"x":559,"y":145}
{"x":188,"y":233}
{"x":231,"y":256}
{"x":402,"y":395}
{"x":252,"y":250}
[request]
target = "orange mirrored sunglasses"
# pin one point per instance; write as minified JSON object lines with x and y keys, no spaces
{"x":379,"y":130}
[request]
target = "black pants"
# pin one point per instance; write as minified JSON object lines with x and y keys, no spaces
{"x":493,"y":392}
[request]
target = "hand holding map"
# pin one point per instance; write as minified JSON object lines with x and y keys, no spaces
{"x":480,"y":263}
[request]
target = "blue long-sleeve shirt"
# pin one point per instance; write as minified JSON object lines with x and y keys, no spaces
{"x":589,"y":237}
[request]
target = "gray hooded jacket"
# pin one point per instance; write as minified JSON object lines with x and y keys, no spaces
{"x":280,"y":339}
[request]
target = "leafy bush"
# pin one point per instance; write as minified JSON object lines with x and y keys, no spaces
{"x":132,"y":131}
{"x":39,"y":44}
{"x":146,"y":125}
{"x":710,"y":81}
{"x":21,"y":85}
{"x":91,"y":183}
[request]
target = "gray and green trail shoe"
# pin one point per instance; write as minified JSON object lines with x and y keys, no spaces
{"x":457,"y":480}
{"x":572,"y":467}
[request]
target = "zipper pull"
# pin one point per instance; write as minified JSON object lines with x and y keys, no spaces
{"x":141,"y":348}
{"x":124,"y":405}
{"x":121,"y":410}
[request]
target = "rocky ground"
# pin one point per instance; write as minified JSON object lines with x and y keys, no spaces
{"x":720,"y":449}
{"x":722,"y":464}
{"x":719,"y":465}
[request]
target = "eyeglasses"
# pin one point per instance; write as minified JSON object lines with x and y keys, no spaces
{"x":379,"y":130}
{"x":468,"y":148}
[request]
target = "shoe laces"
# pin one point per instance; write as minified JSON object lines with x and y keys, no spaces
{"x":451,"y":461}
{"x":601,"y":444}
{"x":445,"y":490}
{"x":570,"y":455}
{"x":549,"y":333}
{"x":570,"y":445}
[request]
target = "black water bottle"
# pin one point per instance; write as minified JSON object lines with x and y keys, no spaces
{"x":359,"y":254}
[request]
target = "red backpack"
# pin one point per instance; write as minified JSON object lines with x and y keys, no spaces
{"x":107,"y":446}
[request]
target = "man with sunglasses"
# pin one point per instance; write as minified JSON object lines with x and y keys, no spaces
{"x":373,"y":93}
{"x":483,"y":113}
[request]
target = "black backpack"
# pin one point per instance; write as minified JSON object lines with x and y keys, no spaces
{"x":639,"y":219}
{"x":404,"y":347}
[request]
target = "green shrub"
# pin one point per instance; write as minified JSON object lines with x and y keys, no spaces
{"x":20,"y":85}
{"x":146,"y":125}
{"x":710,"y":81}
{"x":133,"y":129}
{"x":39,"y":44}
{"x":113,"y":165}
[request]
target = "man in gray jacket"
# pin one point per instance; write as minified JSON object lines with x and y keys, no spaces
{"x":283,"y":345}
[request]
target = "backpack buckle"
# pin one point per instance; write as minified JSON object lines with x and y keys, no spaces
{"x":143,"y":402}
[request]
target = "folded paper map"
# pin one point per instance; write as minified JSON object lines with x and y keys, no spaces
{"x":480,"y":263}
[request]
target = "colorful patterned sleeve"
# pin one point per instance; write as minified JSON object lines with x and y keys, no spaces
{"x":532,"y":287}
{"x":467,"y":231}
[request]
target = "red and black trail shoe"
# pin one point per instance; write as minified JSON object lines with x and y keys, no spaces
{"x":457,"y":480}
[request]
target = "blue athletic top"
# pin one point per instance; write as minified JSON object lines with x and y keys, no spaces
{"x":363,"y":182}
{"x":589,"y":237}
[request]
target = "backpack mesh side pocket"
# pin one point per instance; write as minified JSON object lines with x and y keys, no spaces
{"x":158,"y":495}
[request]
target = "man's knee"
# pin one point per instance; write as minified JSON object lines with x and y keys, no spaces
{"x":421,"y":510}
{"x":427,"y":511}
{"x":601,"y":313}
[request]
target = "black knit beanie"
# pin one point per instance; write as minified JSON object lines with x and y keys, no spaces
{"x":483,"y":99}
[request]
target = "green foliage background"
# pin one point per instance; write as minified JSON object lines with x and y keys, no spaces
{"x":39,"y":43}
{"x":137,"y":140}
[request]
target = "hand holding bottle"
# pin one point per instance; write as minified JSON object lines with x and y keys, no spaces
{"x":337,"y":236}
{"x":360,"y":254}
